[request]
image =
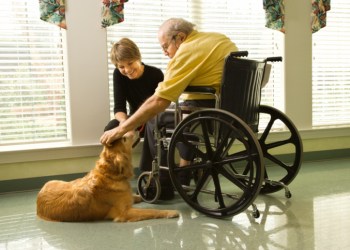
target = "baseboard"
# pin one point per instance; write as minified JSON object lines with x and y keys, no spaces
{"x":36,"y":183}
{"x":326,"y":155}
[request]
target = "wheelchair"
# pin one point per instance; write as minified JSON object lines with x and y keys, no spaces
{"x":235,"y":155}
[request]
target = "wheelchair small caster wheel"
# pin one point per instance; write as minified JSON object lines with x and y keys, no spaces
{"x":256,"y":214}
{"x":148,"y":187}
{"x":288,"y":194}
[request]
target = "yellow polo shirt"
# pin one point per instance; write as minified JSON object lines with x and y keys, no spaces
{"x":199,"y":61}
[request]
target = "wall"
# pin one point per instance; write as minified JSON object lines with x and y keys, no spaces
{"x":88,"y":81}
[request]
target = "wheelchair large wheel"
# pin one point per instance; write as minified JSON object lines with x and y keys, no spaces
{"x":226,"y":162}
{"x":278,"y":167}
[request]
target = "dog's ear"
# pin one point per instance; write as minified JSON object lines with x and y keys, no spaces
{"x":128,"y":141}
{"x":108,"y":152}
{"x":122,"y":140}
{"x":117,"y":143}
{"x":118,"y":157}
{"x":122,"y":163}
{"x":113,"y":143}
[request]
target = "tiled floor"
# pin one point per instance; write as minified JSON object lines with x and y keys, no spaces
{"x":316,"y":217}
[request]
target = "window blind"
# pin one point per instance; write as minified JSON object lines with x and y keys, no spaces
{"x":242,"y":21}
{"x":330,"y":69}
{"x":33,"y":96}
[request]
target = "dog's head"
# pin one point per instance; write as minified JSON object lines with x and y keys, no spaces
{"x":117,"y":157}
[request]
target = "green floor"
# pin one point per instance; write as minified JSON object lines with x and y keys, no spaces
{"x":316,"y":217}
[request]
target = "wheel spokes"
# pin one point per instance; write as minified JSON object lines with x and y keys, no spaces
{"x":205,"y":131}
{"x":218,"y":193}
{"x":267,"y":129}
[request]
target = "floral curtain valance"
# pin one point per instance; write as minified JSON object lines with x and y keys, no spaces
{"x":274,"y":14}
{"x":112,"y":12}
{"x":319,"y":14}
{"x":53,"y":11}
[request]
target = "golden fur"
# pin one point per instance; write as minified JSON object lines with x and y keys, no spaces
{"x":103,"y":194}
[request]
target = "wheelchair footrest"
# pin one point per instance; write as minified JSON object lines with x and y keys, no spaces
{"x":287,"y":192}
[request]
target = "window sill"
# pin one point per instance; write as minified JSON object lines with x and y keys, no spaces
{"x":320,"y":133}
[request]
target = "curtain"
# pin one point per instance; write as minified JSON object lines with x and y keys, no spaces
{"x":53,"y":11}
{"x":112,"y":12}
{"x":274,"y":14}
{"x":319,"y":14}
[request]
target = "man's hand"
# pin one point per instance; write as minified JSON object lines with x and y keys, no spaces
{"x":111,"y":135}
{"x":150,"y":108}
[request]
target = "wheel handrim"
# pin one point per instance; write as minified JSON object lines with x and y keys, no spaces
{"x":218,"y":162}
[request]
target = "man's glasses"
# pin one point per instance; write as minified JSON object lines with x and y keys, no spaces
{"x":166,"y":46}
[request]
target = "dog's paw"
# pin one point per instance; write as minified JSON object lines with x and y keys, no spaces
{"x":137,"y":198}
{"x":173,"y":214}
{"x":118,"y":219}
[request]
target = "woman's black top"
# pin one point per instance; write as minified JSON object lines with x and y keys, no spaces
{"x":135,"y":91}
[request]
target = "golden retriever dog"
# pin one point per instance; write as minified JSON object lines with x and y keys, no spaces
{"x":103,"y":194}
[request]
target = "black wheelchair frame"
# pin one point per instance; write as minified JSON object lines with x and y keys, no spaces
{"x":234,"y":159}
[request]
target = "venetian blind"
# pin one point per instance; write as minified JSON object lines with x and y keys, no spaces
{"x":330,"y":71}
{"x":33,"y":97}
{"x":242,"y":21}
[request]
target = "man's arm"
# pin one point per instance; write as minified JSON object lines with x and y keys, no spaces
{"x":121,"y":116}
{"x":150,"y":108}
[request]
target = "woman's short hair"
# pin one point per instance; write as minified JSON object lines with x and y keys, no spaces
{"x":124,"y":50}
{"x":173,"y":26}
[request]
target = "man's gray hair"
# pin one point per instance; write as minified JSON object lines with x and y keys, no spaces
{"x":173,"y":26}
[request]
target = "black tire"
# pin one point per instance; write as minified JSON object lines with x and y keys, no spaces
{"x":148,"y":187}
{"x":226,"y":153}
{"x":279,"y":167}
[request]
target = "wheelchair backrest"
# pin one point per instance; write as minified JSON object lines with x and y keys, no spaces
{"x":241,"y":88}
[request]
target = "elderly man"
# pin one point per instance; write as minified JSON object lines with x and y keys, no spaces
{"x":197,"y":59}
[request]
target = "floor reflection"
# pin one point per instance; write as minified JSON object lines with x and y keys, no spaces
{"x":331,"y":216}
{"x":275,"y":229}
{"x":314,"y":218}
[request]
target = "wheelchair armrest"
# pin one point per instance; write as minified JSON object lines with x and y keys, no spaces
{"x":239,"y":54}
{"x":200,"y":89}
{"x":188,"y":110}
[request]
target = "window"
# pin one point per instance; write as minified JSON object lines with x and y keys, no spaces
{"x":330,"y":69}
{"x":33,"y":95}
{"x":242,"y":21}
